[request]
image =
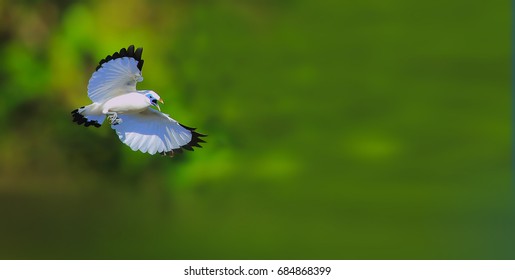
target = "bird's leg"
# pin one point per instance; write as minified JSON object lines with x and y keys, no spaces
{"x":113,"y":118}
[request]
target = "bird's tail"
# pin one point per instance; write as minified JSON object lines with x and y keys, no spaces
{"x":83,"y":116}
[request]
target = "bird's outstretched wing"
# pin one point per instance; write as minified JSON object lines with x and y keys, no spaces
{"x":116,"y":74}
{"x":154,"y":132}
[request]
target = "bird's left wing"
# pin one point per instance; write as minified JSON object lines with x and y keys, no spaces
{"x":154,"y":132}
{"x":116,"y":74}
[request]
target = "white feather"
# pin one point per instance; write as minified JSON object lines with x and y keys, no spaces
{"x":133,"y":102}
{"x":115,"y":77}
{"x":151,"y":131}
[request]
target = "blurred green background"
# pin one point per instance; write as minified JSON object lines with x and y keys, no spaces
{"x":337,"y":130}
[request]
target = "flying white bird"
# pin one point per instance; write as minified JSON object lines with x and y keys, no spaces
{"x":112,"y":88}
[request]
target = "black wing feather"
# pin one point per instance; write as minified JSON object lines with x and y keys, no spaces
{"x":194,"y":142}
{"x":129,"y":52}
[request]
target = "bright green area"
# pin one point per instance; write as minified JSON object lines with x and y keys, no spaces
{"x":337,"y":130}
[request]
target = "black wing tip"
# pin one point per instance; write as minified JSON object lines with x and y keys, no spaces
{"x":138,"y":53}
{"x":129,"y":52}
{"x":81,"y":120}
{"x":192,"y":129}
{"x":195,"y":140}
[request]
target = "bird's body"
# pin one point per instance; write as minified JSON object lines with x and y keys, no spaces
{"x":112,"y":88}
{"x":129,"y":103}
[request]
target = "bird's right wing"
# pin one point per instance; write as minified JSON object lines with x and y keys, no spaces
{"x":116,"y":74}
{"x":154,"y":132}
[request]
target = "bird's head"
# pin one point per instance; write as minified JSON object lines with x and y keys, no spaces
{"x":153,"y":98}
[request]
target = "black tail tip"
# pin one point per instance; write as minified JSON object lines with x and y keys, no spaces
{"x":81,"y":120}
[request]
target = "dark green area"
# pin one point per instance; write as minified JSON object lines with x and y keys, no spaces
{"x":337,"y":130}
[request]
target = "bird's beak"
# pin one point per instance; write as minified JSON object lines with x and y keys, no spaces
{"x":160,"y":100}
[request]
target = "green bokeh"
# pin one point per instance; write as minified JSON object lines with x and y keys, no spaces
{"x":337,"y":130}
